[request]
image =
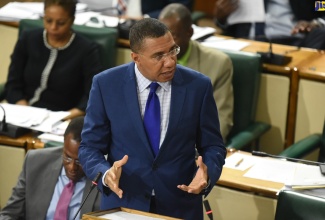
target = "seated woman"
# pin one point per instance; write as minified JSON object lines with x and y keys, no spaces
{"x":53,"y":68}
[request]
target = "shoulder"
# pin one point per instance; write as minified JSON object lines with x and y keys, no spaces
{"x":191,"y":74}
{"x":32,"y":34}
{"x":118,"y":72}
{"x":46,"y":152}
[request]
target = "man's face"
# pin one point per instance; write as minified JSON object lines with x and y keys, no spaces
{"x":71,"y":163}
{"x":150,"y":65}
{"x":181,"y":35}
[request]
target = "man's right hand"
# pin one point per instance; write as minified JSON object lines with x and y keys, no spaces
{"x":113,"y":176}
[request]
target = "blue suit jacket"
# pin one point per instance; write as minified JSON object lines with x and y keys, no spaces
{"x":113,"y":126}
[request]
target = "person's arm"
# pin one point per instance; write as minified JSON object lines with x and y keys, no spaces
{"x":90,"y":66}
{"x":210,"y":146}
{"x":222,"y":9}
{"x":15,"y":207}
{"x":15,"y":80}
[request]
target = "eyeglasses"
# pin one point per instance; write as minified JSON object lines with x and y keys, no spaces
{"x":162,"y":57}
{"x":69,"y":160}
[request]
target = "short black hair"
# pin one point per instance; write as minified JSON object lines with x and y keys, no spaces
{"x":75,"y":127}
{"x":145,"y":28}
{"x":68,"y":5}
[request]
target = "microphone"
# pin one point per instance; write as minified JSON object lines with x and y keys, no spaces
{"x":208,"y":210}
{"x":10,"y":130}
{"x":93,"y":184}
{"x":263,"y":154}
{"x":272,"y":58}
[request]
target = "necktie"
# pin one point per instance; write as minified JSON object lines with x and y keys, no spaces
{"x":61,"y":212}
{"x":152,"y":118}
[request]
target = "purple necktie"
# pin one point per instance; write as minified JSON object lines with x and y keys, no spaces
{"x":61,"y":212}
{"x":152,"y":118}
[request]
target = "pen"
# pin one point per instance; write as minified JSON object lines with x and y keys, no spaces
{"x":239,"y":162}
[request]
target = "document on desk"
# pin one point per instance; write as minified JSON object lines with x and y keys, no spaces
{"x":226,"y":44}
{"x":240,"y":161}
{"x":120,"y":215}
{"x":38,"y":119}
{"x":288,"y":173}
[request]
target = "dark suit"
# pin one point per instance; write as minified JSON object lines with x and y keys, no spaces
{"x":32,"y":195}
{"x":114,"y":126}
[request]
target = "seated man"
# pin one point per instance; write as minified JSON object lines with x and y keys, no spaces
{"x":43,"y":178}
{"x":211,"y":62}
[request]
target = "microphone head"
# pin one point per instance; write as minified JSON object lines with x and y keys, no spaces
{"x":96,"y":179}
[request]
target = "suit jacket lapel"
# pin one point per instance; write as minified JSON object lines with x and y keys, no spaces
{"x":51,"y":178}
{"x":132,"y":102}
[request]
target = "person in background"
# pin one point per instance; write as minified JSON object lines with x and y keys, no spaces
{"x":149,"y":117}
{"x":53,"y":67}
{"x":43,"y":178}
{"x":211,"y":62}
{"x":287,"y":22}
{"x":135,"y":8}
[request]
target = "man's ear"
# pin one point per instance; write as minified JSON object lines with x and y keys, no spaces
{"x":135,"y":57}
{"x":190,"y":32}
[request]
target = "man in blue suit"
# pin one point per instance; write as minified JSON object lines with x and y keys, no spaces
{"x":171,"y":181}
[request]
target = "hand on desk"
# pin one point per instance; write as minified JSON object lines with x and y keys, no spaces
{"x":113,"y":175}
{"x":22,"y":102}
{"x":200,"y":180}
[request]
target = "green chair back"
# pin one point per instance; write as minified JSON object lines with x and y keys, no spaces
{"x":296,"y":205}
{"x":246,"y":82}
{"x":106,"y":38}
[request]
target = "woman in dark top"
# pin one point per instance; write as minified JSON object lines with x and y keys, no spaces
{"x":53,"y":68}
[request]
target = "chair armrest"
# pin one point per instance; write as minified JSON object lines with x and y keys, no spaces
{"x":250,"y":134}
{"x":303,"y":147}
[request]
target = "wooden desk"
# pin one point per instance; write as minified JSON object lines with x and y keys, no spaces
{"x":235,"y":179}
{"x":28,"y":141}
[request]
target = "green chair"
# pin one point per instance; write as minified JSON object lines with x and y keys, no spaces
{"x":295,"y":205}
{"x":2,"y":91}
{"x":106,"y":38}
{"x":246,"y":82}
{"x":307,"y":145}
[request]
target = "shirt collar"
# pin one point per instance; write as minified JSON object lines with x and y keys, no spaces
{"x":183,"y":60}
{"x":144,"y":83}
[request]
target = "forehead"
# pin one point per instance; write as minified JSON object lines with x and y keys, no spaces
{"x":160,"y":44}
{"x":56,"y":11}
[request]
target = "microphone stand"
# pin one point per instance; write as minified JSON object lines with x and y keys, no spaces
{"x":94,"y":183}
{"x":263,"y":154}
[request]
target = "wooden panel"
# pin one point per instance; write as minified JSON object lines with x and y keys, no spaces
{"x":205,"y":6}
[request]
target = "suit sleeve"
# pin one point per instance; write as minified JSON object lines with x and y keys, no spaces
{"x":91,"y":66}
{"x":210,"y":144}
{"x":95,"y":136}
{"x":15,"y":81}
{"x":15,"y":207}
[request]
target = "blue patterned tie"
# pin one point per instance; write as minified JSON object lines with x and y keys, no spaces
{"x":152,"y":118}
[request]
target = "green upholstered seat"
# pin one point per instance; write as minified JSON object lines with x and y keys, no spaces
{"x":295,"y":205}
{"x":246,"y":82}
{"x":307,"y":145}
{"x":106,"y":38}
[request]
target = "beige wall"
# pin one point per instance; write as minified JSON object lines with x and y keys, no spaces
{"x":8,"y":38}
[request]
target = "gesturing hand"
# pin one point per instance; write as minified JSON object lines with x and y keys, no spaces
{"x":113,"y":175}
{"x":199,"y":181}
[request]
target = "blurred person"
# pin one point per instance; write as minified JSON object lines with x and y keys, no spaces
{"x":209,"y":61}
{"x":53,"y":67}
{"x":149,"y":117}
{"x":287,"y":22}
{"x":45,"y":173}
{"x":139,"y":8}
